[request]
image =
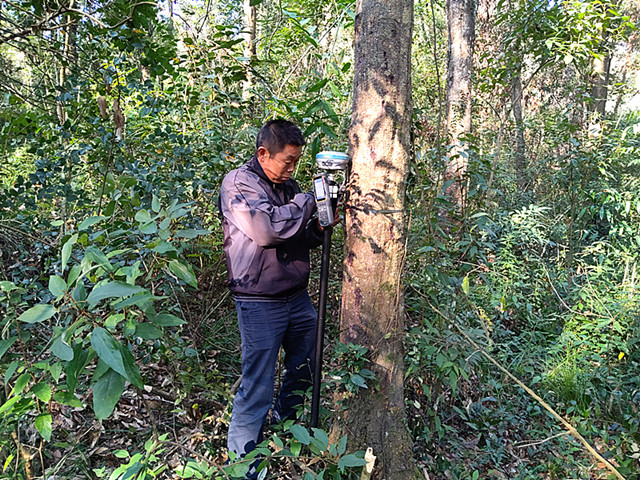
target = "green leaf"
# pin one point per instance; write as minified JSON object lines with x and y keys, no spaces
{"x":99,"y":258}
{"x":6,"y":406}
{"x":113,"y":320}
{"x":164,"y":247}
{"x":142,"y":216}
{"x":322,"y":438}
{"x":57,"y":285}
{"x":167,"y":320}
{"x":62,"y":349}
{"x":42,"y":390}
{"x":465,"y":285}
{"x":146,"y":331}
{"x":155,"y":204}
{"x":190,"y":233}
{"x":7,"y":286}
{"x":43,"y":425}
{"x":38,"y":313}
{"x":106,"y":393}
{"x":21,"y":383}
{"x":111,"y":290}
{"x":67,"y":398}
{"x":115,"y":355}
{"x":184,"y":272}
{"x":342,"y":445}
{"x":350,"y":461}
{"x":149,"y":228}
{"x":87,"y":222}
{"x":5,"y":345}
{"x":357,"y":380}
{"x":301,"y":434}
{"x":121,"y":454}
{"x":66,"y":250}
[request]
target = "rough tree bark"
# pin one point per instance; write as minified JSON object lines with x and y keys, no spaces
{"x":461,"y":16}
{"x":372,"y":301}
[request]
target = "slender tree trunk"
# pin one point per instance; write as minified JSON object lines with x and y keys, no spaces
{"x":600,"y":83}
{"x":516,"y":103}
{"x":373,"y":301}
{"x":461,"y":15}
{"x":249,"y":44}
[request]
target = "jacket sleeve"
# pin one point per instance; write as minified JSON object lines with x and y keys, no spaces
{"x":246,"y":204}
{"x":313,"y":235}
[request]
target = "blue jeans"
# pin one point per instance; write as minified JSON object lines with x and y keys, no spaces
{"x":264,"y":327}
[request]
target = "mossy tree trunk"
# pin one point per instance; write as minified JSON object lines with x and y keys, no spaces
{"x":372,"y":302}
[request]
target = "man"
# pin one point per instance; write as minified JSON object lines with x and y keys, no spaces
{"x":268,"y":231}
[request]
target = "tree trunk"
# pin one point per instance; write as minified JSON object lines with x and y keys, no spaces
{"x":461,"y":15}
{"x":249,"y":44}
{"x":600,"y":83}
{"x":516,"y":103}
{"x":373,"y":301}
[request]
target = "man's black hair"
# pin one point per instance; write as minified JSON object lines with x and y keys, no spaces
{"x":276,"y":134}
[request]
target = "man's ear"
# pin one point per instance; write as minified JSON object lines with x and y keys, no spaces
{"x":262,"y":153}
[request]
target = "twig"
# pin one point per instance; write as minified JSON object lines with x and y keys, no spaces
{"x":540,"y":442}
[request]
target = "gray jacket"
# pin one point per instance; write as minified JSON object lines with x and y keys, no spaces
{"x":268,"y":232}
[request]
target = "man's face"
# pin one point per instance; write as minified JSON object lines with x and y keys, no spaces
{"x":279,"y":167}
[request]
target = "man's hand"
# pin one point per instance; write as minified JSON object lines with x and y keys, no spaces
{"x":337,"y":217}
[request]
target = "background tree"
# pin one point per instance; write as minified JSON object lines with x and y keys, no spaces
{"x":461,"y":16}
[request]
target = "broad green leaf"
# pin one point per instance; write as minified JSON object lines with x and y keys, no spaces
{"x":164,"y":247}
{"x":66,"y":250}
{"x":141,"y":300}
{"x":62,"y":349}
{"x":6,"y":406}
{"x":115,"y":355}
{"x":56,"y":370}
{"x":146,"y":331}
{"x":67,"y":398}
{"x":113,"y":320}
{"x":57,"y":285}
{"x":301,"y":434}
{"x":43,"y":425}
{"x":142,"y":216}
{"x":99,"y":258}
{"x":184,"y":272}
{"x":342,"y":445}
{"x":322,"y":438}
{"x":5,"y":345}
{"x":21,"y":383}
{"x":111,"y":290}
{"x":38,"y":313}
{"x":121,"y":454}
{"x":167,"y":320}
{"x":7,"y":286}
{"x":149,"y":228}
{"x":11,"y":369}
{"x":350,"y":461}
{"x":42,"y":390}
{"x":106,"y":393}
{"x":155,"y":204}
{"x":190,"y":233}
{"x":357,"y":380}
{"x":87,"y":222}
